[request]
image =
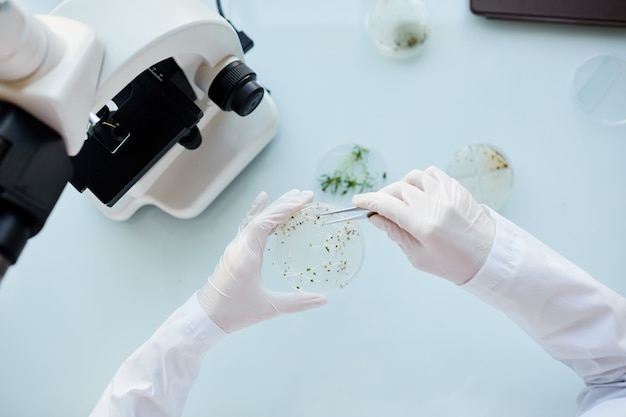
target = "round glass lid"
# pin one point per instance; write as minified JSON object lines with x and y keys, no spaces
{"x":599,"y":89}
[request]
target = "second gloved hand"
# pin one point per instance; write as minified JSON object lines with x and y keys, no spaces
{"x":435,"y":221}
{"x":234,"y":296}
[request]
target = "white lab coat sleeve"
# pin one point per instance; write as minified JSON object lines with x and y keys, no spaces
{"x":156,"y":379}
{"x":575,"y":318}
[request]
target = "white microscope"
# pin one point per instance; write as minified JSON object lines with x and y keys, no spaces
{"x":133,"y":102}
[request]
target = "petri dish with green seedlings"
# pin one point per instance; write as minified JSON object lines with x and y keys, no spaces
{"x":485,"y":171}
{"x":311,"y":256}
{"x":350,"y":169}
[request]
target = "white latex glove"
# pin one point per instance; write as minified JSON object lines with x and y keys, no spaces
{"x":435,"y":221}
{"x":234,"y":296}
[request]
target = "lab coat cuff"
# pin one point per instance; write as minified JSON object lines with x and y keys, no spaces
{"x":199,"y":324}
{"x":503,"y":263}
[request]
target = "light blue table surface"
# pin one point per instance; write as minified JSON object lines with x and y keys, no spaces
{"x":88,"y":290}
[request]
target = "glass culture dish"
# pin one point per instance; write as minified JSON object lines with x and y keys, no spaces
{"x":485,"y":171}
{"x":349,"y":169}
{"x":311,"y":256}
{"x":599,"y":89}
{"x":399,"y":28}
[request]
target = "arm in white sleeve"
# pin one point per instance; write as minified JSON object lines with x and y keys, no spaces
{"x":156,"y":379}
{"x":576,"y":319}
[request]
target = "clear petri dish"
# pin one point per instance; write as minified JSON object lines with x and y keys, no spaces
{"x":310,"y":256}
{"x":599,"y":89}
{"x":350,"y":169}
{"x":485,"y":171}
{"x":398,"y":28}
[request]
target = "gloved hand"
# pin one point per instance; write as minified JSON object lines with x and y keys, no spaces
{"x":234,"y":296}
{"x":435,"y":221}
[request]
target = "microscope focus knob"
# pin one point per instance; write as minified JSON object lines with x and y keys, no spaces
{"x":235,"y":88}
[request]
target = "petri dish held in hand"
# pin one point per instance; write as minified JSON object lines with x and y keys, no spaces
{"x":311,"y":256}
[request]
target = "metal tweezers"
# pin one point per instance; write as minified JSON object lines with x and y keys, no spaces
{"x":364,"y":214}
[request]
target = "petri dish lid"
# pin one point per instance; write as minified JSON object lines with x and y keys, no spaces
{"x":599,"y":89}
{"x":310,"y":256}
{"x":485,"y":171}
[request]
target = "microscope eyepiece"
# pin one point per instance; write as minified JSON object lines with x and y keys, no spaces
{"x":235,"y":88}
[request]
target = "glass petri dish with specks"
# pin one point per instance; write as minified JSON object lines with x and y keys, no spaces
{"x":399,"y":28}
{"x":311,"y":256}
{"x":485,"y":171}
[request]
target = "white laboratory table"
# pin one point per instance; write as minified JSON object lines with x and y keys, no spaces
{"x":88,"y":290}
